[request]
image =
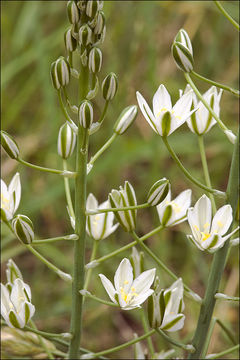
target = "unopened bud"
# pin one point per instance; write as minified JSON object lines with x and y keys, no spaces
{"x":158,"y":192}
{"x":95,"y":60}
{"x":60,"y":73}
{"x":182,"y":51}
{"x":23,"y":228}
{"x":100,"y":23}
{"x":9,"y":145}
{"x":66,"y":141}
{"x":85,"y":114}
{"x":137,"y":260}
{"x":85,"y":35}
{"x":126,"y":118}
{"x":12,"y":272}
{"x":92,"y":8}
{"x":82,"y":5}
{"x":109,"y":86}
{"x":70,"y":41}
{"x":73,"y":12}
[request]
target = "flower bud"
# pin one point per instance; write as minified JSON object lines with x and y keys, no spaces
{"x":85,"y":114}
{"x":66,"y":141}
{"x":12,"y":271}
{"x":82,"y":5}
{"x":100,"y":23}
{"x":109,"y":86}
{"x":95,"y":60}
{"x":73,"y":12}
{"x":156,"y":308}
{"x":9,"y":145}
{"x":23,"y":228}
{"x":136,"y":260}
{"x":126,"y":118}
{"x":182,"y":51}
{"x":70,"y":41}
{"x":158,"y":192}
{"x":85,"y":35}
{"x":92,"y":8}
{"x":60,"y":73}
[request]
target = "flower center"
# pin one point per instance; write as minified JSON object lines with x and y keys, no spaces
{"x":175,"y":206}
{"x":95,"y":221}
{"x":127,"y":297}
{"x":5,"y":203}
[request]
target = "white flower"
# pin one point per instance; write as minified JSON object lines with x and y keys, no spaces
{"x":207,"y":232}
{"x":126,"y":292}
{"x":202,"y":121}
{"x":165,"y":119}
{"x":99,"y":226}
{"x":172,"y":212}
{"x":10,"y":197}
{"x":16,"y":307}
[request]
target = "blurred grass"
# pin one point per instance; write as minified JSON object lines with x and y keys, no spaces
{"x":137,"y":49}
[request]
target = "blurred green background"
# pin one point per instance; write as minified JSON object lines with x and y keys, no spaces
{"x":137,"y":48}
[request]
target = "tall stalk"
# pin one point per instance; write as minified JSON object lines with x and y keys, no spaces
{"x":217,"y":266}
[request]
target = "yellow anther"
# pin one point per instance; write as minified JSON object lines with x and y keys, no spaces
{"x":133,"y":289}
{"x":220,"y":224}
{"x":126,"y":282}
{"x":206,"y":225}
{"x":175,"y":206}
{"x":205,"y":236}
{"x":196,"y":227}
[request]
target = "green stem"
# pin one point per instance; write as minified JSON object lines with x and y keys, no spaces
{"x":187,"y":347}
{"x":217,"y":266}
{"x":221,"y":86}
{"x":209,"y":335}
{"x":205,"y":169}
{"x":52,"y":267}
{"x":186,"y":173}
{"x":52,"y":171}
{"x":45,"y":241}
{"x":227,"y":331}
{"x":146,"y":329}
{"x":225,"y":352}
{"x":201,"y":98}
{"x":68,"y":192}
{"x":224,"y":12}
{"x":119,"y":347}
{"x":162,"y":265}
{"x":42,"y":343}
{"x":89,"y":271}
{"x":99,"y":211}
{"x":104,"y":112}
{"x":87,"y":294}
{"x":103,"y":148}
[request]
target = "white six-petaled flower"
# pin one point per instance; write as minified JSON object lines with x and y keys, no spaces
{"x":126,"y":292}
{"x":99,"y":226}
{"x":172,"y":212}
{"x":10,"y":197}
{"x":16,"y":307}
{"x":165,"y":118}
{"x":207,"y":232}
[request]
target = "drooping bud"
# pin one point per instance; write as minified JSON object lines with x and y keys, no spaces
{"x":100,"y":23}
{"x":66,"y":141}
{"x":9,"y":145}
{"x":85,"y":114}
{"x":23,"y":228}
{"x":92,"y":8}
{"x":95,"y":60}
{"x":182,"y":51}
{"x":60,"y":73}
{"x":85,"y":35}
{"x":109,"y":86}
{"x":12,"y":271}
{"x":70,"y":41}
{"x":126,"y":118}
{"x":136,"y":260}
{"x":73,"y":12}
{"x":158,"y":192}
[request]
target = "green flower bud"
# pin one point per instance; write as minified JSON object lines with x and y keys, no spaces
{"x":60,"y":73}
{"x":23,"y":228}
{"x":182,"y":51}
{"x":12,"y":271}
{"x":66,"y":141}
{"x":82,"y":5}
{"x":156,"y":309}
{"x":92,"y":8}
{"x":100,"y":23}
{"x":109,"y":86}
{"x":137,"y":260}
{"x":73,"y":12}
{"x":126,"y":118}
{"x":85,"y":114}
{"x":85,"y":35}
{"x":9,"y":145}
{"x":158,"y":192}
{"x":70,"y":41}
{"x":95,"y":60}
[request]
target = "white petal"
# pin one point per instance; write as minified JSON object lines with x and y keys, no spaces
{"x":222,"y":220}
{"x":91,"y":203}
{"x":203,"y":212}
{"x":14,"y":189}
{"x":5,"y":301}
{"x":183,"y":105}
{"x":193,"y":221}
{"x":146,"y":111}
{"x":167,"y":319}
{"x":144,"y":281}
{"x":183,"y":202}
{"x":124,"y":276}
{"x":195,"y":242}
{"x":108,"y":287}
{"x":138,"y":300}
{"x":161,"y":100}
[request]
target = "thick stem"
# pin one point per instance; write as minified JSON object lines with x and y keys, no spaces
{"x":217,"y":266}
